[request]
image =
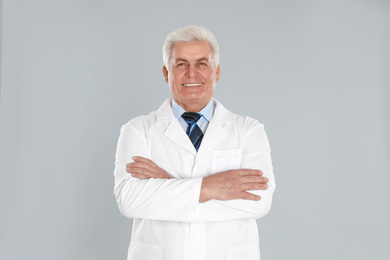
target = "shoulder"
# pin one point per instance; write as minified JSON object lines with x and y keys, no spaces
{"x":245,"y":121}
{"x":250,"y":130}
{"x":241,"y":121}
{"x":144,"y":122}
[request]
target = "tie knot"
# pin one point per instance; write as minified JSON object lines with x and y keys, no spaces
{"x":191,"y":117}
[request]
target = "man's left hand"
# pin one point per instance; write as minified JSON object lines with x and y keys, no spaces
{"x":143,"y":168}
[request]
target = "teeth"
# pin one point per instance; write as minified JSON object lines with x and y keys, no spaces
{"x":193,"y":85}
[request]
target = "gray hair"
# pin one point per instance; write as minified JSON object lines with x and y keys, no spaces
{"x":190,"y":34}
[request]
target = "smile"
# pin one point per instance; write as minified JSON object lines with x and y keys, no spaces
{"x":193,"y":85}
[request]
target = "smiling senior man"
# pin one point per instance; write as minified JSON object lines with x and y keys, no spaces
{"x":193,"y":175}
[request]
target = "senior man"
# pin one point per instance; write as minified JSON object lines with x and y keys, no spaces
{"x":193,"y":175}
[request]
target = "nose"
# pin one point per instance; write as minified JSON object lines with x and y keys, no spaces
{"x":191,"y":71}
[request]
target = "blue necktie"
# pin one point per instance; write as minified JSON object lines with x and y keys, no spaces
{"x":193,"y":131}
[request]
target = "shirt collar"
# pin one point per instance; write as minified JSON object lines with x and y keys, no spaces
{"x":207,"y":112}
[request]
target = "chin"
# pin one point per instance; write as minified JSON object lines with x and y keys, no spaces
{"x":195,"y":98}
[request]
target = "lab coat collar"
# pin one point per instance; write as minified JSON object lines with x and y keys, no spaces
{"x":216,"y":130}
{"x":214,"y":135}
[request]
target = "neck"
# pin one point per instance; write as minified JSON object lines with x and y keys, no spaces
{"x":192,"y":107}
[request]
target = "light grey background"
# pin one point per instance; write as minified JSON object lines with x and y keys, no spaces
{"x":316,"y":73}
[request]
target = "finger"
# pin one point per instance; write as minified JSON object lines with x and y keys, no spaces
{"x":254,"y":186}
{"x":142,"y":170}
{"x":257,"y":179}
{"x":129,"y":166}
{"x":245,"y":172}
{"x":140,"y":176}
{"x":249,"y":196}
{"x":152,"y":173}
{"x":143,"y":164}
{"x":143,"y":159}
{"x":147,"y":161}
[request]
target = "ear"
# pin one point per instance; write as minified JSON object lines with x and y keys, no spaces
{"x":165,"y":73}
{"x":217,"y":72}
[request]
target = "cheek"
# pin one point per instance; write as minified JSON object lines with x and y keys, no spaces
{"x":209,"y":75}
{"x":205,"y":75}
{"x":177,"y":75}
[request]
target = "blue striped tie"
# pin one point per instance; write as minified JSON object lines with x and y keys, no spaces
{"x":193,"y":131}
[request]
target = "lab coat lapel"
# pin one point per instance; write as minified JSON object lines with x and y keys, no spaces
{"x":174,"y":130}
{"x":216,"y":131}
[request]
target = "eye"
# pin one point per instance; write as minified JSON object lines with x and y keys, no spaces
{"x":181,"y":65}
{"x":202,"y":64}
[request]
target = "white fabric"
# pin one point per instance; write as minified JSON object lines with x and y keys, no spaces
{"x":169,"y":222}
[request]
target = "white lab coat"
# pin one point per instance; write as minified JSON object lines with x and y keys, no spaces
{"x":169,"y":222}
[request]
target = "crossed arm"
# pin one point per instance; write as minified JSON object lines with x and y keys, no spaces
{"x":145,"y":190}
{"x":227,"y":185}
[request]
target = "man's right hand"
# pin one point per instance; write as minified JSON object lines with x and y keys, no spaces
{"x":233,"y":184}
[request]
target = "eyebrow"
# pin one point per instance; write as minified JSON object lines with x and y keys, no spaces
{"x":180,"y":59}
{"x":200,"y":59}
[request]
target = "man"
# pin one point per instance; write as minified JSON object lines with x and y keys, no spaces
{"x":193,"y":175}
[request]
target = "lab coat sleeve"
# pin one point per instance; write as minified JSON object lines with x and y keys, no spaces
{"x":159,"y":199}
{"x":255,"y":155}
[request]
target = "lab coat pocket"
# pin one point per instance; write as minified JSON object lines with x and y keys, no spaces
{"x":247,"y":252}
{"x":226,"y":159}
{"x":141,"y":251}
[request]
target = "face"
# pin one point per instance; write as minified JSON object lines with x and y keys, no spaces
{"x":191,"y":74}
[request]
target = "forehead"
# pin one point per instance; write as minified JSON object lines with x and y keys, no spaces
{"x":191,"y":50}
